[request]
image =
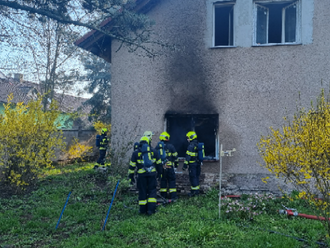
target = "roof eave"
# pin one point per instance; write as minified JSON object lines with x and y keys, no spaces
{"x":100,"y":44}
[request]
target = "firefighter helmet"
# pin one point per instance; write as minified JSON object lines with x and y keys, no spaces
{"x":191,"y":135}
{"x":148,"y":134}
{"x":104,"y":130}
{"x":145,"y":138}
{"x":164,"y":136}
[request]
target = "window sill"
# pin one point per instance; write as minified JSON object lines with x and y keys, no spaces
{"x":277,"y":44}
{"x":221,"y":47}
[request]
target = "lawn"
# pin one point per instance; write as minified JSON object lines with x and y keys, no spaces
{"x":30,"y":220}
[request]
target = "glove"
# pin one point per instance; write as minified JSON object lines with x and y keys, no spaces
{"x":131,"y":179}
{"x":184,"y":167}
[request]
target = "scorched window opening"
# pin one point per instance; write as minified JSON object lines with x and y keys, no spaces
{"x":205,"y":126}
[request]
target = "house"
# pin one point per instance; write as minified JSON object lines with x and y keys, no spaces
{"x":24,"y":91}
{"x":241,"y":67}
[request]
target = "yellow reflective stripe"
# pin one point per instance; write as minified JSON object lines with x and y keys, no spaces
{"x":169,"y":163}
{"x":133,"y":164}
{"x":153,"y":170}
{"x":195,"y":188}
{"x":169,"y":154}
{"x":139,"y":161}
{"x":130,"y":171}
{"x":185,"y":162}
{"x":191,"y":162}
{"x":192,"y":154}
{"x":163,"y":190}
{"x":172,"y":190}
{"x":103,"y":148}
{"x":144,"y":202}
{"x":152,"y":200}
{"x":175,"y":154}
{"x":141,"y":171}
{"x":159,"y":161}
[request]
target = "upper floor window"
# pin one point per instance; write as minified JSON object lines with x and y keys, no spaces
{"x":223,"y":34}
{"x":277,"y":22}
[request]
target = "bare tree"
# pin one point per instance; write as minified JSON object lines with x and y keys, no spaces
{"x":131,"y":29}
{"x":47,"y":51}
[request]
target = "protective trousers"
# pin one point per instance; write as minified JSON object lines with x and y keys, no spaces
{"x":194,"y":173}
{"x":101,"y":158}
{"x":168,"y":176}
{"x":147,"y":185}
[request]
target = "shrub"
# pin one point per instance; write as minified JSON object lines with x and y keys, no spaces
{"x":78,"y":150}
{"x":98,"y":125}
{"x":300,"y":153}
{"x":28,"y":140}
{"x":249,"y":206}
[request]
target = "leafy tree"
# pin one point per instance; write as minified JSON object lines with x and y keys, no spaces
{"x":131,"y":29}
{"x":29,"y":138}
{"x":300,"y":153}
{"x":98,"y":83}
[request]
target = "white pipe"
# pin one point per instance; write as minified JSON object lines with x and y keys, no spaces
{"x":220,"y":175}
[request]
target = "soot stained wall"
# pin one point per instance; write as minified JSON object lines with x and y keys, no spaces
{"x":250,"y":88}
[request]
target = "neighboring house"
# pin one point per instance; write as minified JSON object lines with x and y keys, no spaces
{"x":241,"y":67}
{"x":24,"y":91}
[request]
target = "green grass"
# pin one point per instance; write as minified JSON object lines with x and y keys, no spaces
{"x":30,"y":220}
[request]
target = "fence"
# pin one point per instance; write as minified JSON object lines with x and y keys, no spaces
{"x":86,"y":137}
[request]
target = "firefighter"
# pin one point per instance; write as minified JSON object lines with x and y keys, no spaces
{"x":192,"y":161}
{"x":170,"y":161}
{"x":147,"y":162}
{"x":149,"y":134}
{"x":103,"y":146}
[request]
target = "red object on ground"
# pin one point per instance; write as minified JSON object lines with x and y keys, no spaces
{"x":290,"y":212}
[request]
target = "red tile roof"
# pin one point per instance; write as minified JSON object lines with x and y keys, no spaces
{"x":25,"y":91}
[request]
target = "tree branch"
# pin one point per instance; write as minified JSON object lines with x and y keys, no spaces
{"x":66,"y":19}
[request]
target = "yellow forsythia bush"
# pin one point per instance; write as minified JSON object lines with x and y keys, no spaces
{"x":78,"y":150}
{"x":300,"y":153}
{"x":29,"y":138}
{"x":98,"y":125}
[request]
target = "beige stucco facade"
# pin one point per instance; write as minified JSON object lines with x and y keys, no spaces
{"x":250,"y":87}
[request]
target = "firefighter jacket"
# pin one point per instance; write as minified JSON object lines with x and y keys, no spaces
{"x":171,"y":154}
{"x":192,"y":153}
{"x":104,"y":141}
{"x":137,"y":162}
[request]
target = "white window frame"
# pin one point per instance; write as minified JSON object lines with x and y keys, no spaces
{"x":298,"y":22}
{"x":215,"y":5}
